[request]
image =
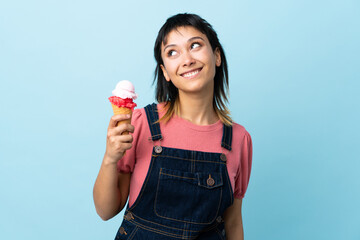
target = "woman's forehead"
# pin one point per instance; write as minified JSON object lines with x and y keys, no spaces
{"x":182,"y":31}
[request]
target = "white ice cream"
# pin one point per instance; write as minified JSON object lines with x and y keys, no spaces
{"x":125,"y":89}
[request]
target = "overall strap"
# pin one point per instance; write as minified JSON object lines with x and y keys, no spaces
{"x":153,"y":118}
{"x":227,"y":137}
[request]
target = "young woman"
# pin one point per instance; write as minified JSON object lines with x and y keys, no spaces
{"x":187,"y":164}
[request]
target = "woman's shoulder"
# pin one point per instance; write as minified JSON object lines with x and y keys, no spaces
{"x":239,"y":132}
{"x":239,"y":128}
{"x":139,"y":114}
{"x":138,"y":117}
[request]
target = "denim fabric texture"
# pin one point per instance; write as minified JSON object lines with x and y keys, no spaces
{"x":184,"y":195}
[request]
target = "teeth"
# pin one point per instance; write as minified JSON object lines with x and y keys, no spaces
{"x":190,"y":74}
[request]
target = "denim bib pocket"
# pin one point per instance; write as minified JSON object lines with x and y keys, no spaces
{"x":188,"y":197}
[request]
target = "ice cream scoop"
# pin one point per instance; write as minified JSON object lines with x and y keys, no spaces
{"x":125,"y":89}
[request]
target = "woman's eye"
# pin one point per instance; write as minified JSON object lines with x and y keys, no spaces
{"x":195,"y":45}
{"x":171,"y":53}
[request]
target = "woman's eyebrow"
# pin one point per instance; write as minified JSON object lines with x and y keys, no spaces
{"x":190,"y":39}
{"x":194,"y":38}
{"x":170,"y":45}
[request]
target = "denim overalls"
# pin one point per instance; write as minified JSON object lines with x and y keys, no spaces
{"x":184,"y":195}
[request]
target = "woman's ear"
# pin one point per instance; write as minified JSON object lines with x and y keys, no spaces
{"x":165,"y":73}
{"x":217,"y":57}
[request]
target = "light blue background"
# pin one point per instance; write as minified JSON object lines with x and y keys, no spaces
{"x":294,"y":78}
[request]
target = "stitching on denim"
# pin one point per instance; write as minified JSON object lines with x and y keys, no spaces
{"x":156,"y":135}
{"x":133,"y":233}
{"x":149,"y":118}
{"x":188,"y":152}
{"x":144,"y":185}
{"x":152,"y":118}
{"x":224,"y":135}
{"x":192,"y":165}
{"x":226,"y":141}
{"x":155,"y":112}
{"x":220,"y":200}
{"x":219,"y":233}
{"x":171,"y":234}
{"x":142,"y":191}
{"x":198,"y":179}
{"x":187,"y":159}
{"x":156,"y":230}
{"x":157,"y":190}
{"x":230,"y":188}
{"x":154,"y":128}
{"x":155,"y":119}
{"x":229,"y":185}
{"x":174,"y":219}
{"x":184,"y":232}
{"x":226,"y":145}
{"x":231,"y":134}
{"x":178,"y":176}
{"x":227,"y":138}
{"x":177,"y":229}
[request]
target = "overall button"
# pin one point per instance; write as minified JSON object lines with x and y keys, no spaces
{"x":223,"y":157}
{"x":122,"y":231}
{"x":128,"y":216}
{"x":158,"y":149}
{"x":210,"y":181}
{"x":219,"y":219}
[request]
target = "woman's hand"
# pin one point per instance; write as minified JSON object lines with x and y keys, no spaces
{"x":116,"y":143}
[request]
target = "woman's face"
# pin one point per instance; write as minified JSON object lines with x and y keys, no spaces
{"x":189,"y":61}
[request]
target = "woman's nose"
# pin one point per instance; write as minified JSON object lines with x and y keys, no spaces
{"x":188,"y":59}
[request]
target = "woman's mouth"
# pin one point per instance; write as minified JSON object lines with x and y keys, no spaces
{"x":191,"y":74}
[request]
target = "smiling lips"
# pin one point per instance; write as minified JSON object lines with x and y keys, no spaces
{"x":191,"y":74}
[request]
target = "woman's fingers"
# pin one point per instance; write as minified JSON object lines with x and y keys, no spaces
{"x":128,"y":138}
{"x":117,"y":118}
{"x":124,"y":127}
{"x":120,"y":144}
{"x":116,"y":143}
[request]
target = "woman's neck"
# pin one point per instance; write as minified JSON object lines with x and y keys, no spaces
{"x":199,"y":111}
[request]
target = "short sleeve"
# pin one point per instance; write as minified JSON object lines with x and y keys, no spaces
{"x":243,"y":174}
{"x":127,"y":162}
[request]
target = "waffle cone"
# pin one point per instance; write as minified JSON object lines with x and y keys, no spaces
{"x":122,"y":110}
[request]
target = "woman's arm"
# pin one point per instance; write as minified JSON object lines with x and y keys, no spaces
{"x":233,"y":221}
{"x":111,"y":191}
{"x":111,"y":188}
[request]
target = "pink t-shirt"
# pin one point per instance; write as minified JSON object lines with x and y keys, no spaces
{"x":182,"y":134}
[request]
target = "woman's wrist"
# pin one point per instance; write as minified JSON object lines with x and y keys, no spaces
{"x":108,"y":161}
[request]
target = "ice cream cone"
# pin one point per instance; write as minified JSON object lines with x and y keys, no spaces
{"x":122,"y":110}
{"x":122,"y":100}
